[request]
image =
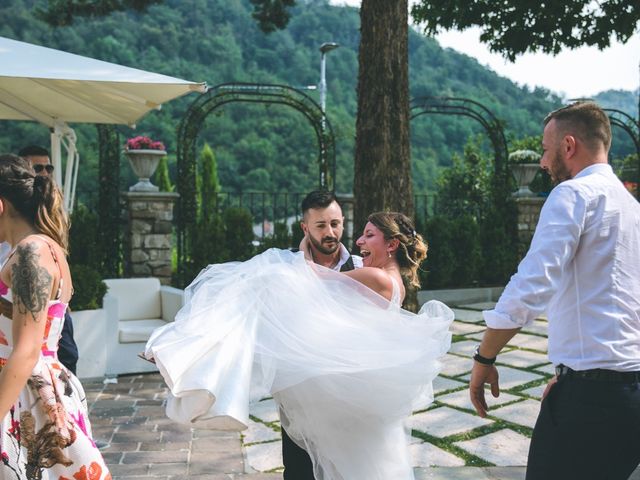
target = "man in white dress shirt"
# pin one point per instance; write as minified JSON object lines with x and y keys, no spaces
{"x":583,"y":269}
{"x":323,"y":225}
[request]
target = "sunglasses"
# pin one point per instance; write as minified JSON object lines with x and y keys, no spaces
{"x":38,"y":167}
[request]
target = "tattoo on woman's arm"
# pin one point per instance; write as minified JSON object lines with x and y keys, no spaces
{"x":31,"y":283}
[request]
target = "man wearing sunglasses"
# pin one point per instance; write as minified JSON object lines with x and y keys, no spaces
{"x":39,"y":159}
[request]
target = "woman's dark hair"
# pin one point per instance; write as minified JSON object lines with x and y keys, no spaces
{"x":412,"y":249}
{"x":35,"y":198}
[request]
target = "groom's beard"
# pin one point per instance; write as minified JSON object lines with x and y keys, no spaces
{"x":558,"y":170}
{"x":326,"y":245}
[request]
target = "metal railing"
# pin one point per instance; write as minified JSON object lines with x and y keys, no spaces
{"x":271,"y":208}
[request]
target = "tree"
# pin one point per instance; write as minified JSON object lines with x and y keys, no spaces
{"x":513,"y":27}
{"x":162,"y":177}
{"x":210,"y":183}
{"x":382,"y":165}
{"x":60,"y":13}
{"x":209,"y":244}
{"x":272,"y":15}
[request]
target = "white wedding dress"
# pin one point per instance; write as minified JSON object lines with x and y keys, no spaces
{"x":345,"y":365}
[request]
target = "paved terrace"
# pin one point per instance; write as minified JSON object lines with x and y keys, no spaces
{"x":449,"y":441}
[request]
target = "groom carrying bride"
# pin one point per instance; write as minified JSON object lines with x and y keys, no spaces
{"x":323,"y":225}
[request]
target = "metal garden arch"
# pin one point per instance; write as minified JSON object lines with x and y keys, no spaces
{"x":472,"y":109}
{"x":215,"y":98}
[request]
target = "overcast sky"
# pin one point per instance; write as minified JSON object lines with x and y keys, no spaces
{"x":572,"y":73}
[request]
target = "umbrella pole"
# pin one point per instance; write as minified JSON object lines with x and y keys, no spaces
{"x":62,"y":134}
{"x":56,"y":157}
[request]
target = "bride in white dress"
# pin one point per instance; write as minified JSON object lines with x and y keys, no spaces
{"x":335,"y":350}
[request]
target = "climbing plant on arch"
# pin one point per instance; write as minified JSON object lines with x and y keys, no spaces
{"x":216,"y":97}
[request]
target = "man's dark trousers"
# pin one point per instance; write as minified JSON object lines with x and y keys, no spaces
{"x":297,"y":463}
{"x":587,"y":430}
{"x":67,"y":348}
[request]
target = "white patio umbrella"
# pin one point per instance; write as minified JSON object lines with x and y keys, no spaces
{"x":56,"y":88}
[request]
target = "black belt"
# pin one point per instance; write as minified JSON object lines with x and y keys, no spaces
{"x":599,"y":374}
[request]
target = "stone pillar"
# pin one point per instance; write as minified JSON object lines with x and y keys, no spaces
{"x":148,"y":238}
{"x":528,"y":215}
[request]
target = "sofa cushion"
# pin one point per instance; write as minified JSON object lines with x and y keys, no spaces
{"x":138,"y":298}
{"x":133,"y":331}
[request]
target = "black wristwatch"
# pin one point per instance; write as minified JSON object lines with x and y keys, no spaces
{"x":483,"y":360}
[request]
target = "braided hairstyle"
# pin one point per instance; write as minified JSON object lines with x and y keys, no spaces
{"x":412,"y":249}
{"x":35,"y":198}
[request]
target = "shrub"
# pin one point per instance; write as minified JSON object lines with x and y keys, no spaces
{"x":208,"y":244}
{"x":162,"y":177}
{"x":88,"y":288}
{"x":84,"y":262}
{"x":473,"y":239}
{"x":454,"y":257}
{"x":83,"y":237}
{"x":238,"y":232}
{"x":281,"y":237}
{"x":296,"y":234}
{"x":499,"y":245}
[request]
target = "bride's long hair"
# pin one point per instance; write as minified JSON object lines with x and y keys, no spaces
{"x":412,"y":249}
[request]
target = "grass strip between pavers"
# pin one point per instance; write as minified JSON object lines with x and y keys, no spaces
{"x":470,"y":460}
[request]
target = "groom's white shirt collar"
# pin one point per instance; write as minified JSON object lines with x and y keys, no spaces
{"x":344,"y":258}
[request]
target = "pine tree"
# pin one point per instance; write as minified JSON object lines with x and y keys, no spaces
{"x":162,"y":179}
{"x":210,"y":185}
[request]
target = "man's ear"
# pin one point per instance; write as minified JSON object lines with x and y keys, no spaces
{"x":304,"y":227}
{"x":569,"y":145}
{"x":2,"y":206}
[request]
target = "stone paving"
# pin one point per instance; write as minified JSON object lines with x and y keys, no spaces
{"x":448,"y":439}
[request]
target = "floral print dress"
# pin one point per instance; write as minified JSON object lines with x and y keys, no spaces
{"x":46,"y":435}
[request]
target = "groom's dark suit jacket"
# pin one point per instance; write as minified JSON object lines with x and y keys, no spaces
{"x":297,"y":463}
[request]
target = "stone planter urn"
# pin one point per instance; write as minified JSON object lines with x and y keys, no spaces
{"x":524,"y":165}
{"x":144,"y":163}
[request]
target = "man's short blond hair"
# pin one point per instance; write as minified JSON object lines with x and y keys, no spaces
{"x":584,"y":120}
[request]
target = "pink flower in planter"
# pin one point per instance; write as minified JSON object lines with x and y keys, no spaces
{"x":143,"y":143}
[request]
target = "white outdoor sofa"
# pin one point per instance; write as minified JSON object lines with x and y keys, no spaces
{"x":135,"y":307}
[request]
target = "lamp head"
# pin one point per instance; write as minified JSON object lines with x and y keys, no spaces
{"x":328,"y":46}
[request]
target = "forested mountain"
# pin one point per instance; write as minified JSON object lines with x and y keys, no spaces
{"x":260,"y":148}
{"x":622,"y":100}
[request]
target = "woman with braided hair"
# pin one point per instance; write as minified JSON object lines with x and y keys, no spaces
{"x":335,"y":350}
{"x":44,"y":427}
{"x":391,"y":251}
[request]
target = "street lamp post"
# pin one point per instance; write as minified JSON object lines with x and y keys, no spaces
{"x":324,"y":49}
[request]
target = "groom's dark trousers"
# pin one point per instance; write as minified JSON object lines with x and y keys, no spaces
{"x":588,"y":428}
{"x":297,"y":463}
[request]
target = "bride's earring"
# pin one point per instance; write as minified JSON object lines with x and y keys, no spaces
{"x":389,"y":254}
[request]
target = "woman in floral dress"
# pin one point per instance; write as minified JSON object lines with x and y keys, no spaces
{"x":44,"y":427}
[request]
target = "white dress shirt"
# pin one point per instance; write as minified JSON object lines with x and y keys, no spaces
{"x":344,"y":258}
{"x":583,"y":268}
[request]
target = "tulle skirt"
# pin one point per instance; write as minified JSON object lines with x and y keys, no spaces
{"x":345,"y":365}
